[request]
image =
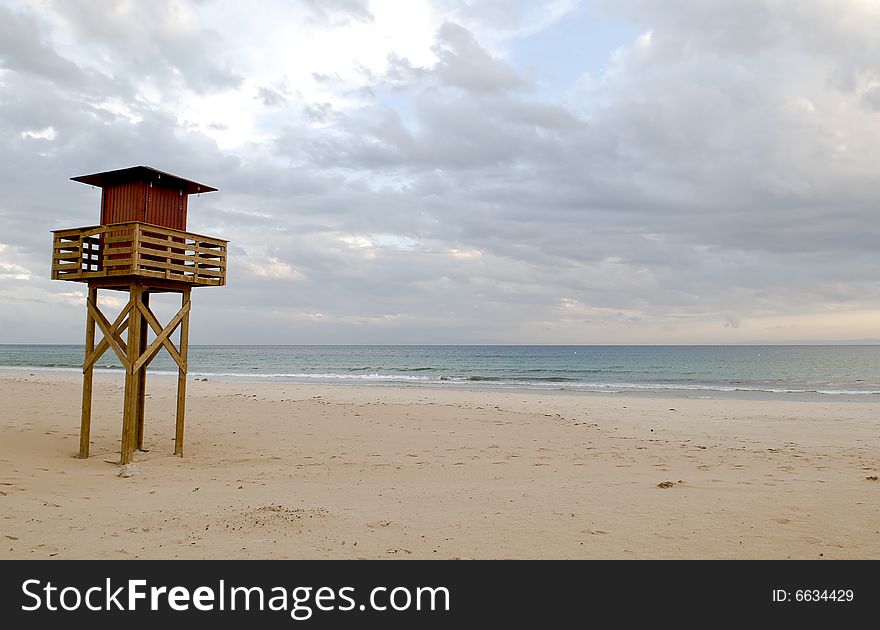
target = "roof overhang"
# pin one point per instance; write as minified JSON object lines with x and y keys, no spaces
{"x":143,"y":174}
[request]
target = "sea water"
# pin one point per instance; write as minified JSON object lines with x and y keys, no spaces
{"x":841,"y":370}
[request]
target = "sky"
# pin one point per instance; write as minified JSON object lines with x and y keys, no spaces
{"x":452,"y":171}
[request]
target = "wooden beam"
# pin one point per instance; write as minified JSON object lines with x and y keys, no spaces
{"x":132,"y":389}
{"x":181,"y":373}
{"x":69,"y":266}
{"x":180,"y":268}
{"x":77,"y":233}
{"x":119,"y":324}
{"x":141,"y":374}
{"x":162,"y":337}
{"x":105,"y":327}
{"x":104,"y":344}
{"x":86,"y":421}
{"x":133,"y":250}
{"x":164,"y":253}
{"x":201,"y":248}
{"x":157,"y":328}
{"x":125,"y":453}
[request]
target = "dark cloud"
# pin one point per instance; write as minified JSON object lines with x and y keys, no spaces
{"x":154,"y":40}
{"x":24,"y":48}
{"x":720,"y":171}
{"x":463,"y":63}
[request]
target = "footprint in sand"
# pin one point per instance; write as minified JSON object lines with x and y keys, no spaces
{"x":379,"y":524}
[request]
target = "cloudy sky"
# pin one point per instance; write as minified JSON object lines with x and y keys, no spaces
{"x":453,"y":171}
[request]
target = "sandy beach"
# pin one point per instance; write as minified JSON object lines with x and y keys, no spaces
{"x":308,"y":471}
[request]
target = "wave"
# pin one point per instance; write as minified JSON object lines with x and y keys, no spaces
{"x":399,"y":369}
{"x":323,"y":375}
{"x":505,"y":382}
{"x":518,"y":379}
{"x":41,"y":368}
{"x":725,"y":388}
{"x":539,"y":383}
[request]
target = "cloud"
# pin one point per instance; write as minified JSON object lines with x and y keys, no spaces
{"x":390,"y":173}
{"x":160,"y":40}
{"x":463,"y":63}
{"x":336,"y":12}
{"x":24,"y":47}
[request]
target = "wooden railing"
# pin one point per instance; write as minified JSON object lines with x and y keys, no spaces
{"x":138,"y":249}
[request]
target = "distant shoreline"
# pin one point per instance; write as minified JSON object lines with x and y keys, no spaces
{"x":750,"y":344}
{"x":765,"y":372}
{"x":478,"y":386}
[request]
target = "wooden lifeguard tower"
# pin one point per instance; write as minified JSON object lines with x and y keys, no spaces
{"x":140,"y":247}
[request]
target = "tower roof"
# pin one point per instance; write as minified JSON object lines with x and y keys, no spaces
{"x":143,"y":174}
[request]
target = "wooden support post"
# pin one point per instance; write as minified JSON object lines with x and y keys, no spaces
{"x":86,"y":422}
{"x":181,"y":373}
{"x":132,"y":389}
{"x":142,"y":378}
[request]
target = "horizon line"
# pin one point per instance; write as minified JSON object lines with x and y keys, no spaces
{"x":855,"y":342}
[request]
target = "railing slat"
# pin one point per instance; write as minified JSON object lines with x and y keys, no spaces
{"x":138,"y":249}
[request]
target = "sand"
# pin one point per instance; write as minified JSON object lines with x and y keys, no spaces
{"x":310,"y":471}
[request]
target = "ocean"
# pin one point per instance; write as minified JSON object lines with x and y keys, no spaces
{"x":679,"y":370}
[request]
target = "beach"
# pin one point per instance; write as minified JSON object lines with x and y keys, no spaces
{"x":284,"y":470}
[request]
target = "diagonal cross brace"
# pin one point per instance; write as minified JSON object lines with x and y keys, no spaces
{"x":109,"y":332}
{"x":162,"y":336}
{"x":157,"y":328}
{"x":120,"y":324}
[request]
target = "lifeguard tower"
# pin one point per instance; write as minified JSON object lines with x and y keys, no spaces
{"x":141,"y":247}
